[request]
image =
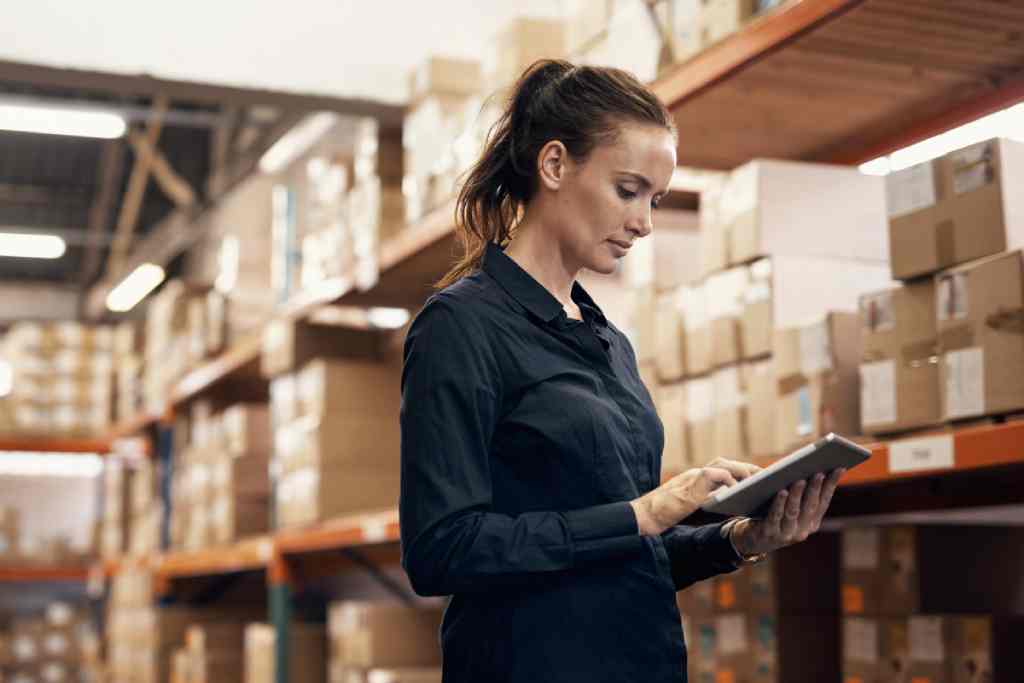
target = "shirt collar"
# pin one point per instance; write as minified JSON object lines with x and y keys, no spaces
{"x":530,"y":294}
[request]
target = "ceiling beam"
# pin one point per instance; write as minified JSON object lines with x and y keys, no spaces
{"x":131,"y":203}
{"x":222,"y":145}
{"x":111,"y":165}
{"x":140,"y":85}
{"x":174,"y":186}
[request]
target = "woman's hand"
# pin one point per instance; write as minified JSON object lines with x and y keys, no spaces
{"x":796,"y":513}
{"x":679,"y":497}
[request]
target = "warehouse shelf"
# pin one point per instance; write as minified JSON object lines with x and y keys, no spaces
{"x":346,"y":532}
{"x":242,"y":357}
{"x":45,"y":444}
{"x":844,"y":80}
{"x":135,"y":425}
{"x":41,"y":574}
{"x":245,"y":555}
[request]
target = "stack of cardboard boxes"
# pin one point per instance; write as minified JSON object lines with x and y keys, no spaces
{"x":765,"y":339}
{"x":146,"y":508}
{"x":48,"y":648}
{"x":940,"y":604}
{"x":131,"y":599}
{"x":948,"y":344}
{"x":307,"y":656}
{"x":335,"y":422}
{"x":61,"y":379}
{"x":115,"y":523}
{"x":771,"y":622}
{"x":168,"y":337}
{"x":128,"y":371}
{"x":373,"y":642}
{"x":10,"y":533}
{"x":221,"y":491}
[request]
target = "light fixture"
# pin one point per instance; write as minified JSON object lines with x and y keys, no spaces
{"x":1008,"y":123}
{"x":28,"y":245}
{"x":61,"y":121}
{"x":387,"y":318}
{"x":56,"y":464}
{"x":296,"y":141}
{"x":135,"y":287}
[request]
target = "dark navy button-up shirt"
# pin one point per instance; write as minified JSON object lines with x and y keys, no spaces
{"x":525,"y":434}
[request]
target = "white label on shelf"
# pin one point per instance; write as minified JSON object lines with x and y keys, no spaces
{"x":964,"y":374}
{"x":860,"y":640}
{"x":375,"y":530}
{"x":911,"y":189}
{"x":878,"y":392}
{"x":861,"y":548}
{"x":926,"y":639}
{"x":926,"y":453}
{"x":732,"y":634}
{"x":951,"y":297}
{"x":876,"y":312}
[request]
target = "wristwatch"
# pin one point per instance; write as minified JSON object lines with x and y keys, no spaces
{"x":741,"y":559}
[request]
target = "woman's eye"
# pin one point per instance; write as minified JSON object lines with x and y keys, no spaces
{"x":625,"y":193}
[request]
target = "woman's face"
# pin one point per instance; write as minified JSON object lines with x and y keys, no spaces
{"x":605,"y":204}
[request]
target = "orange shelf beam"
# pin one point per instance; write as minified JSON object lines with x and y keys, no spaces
{"x":136,"y":424}
{"x":346,"y":532}
{"x":30,"y":574}
{"x":47,"y":445}
{"x":206,"y":375}
{"x":755,"y":41}
{"x":246,"y":555}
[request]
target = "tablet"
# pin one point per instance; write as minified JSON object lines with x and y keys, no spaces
{"x":753,"y":496}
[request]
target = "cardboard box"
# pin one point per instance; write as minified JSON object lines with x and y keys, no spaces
{"x":283,"y":401}
{"x":671,"y":404}
{"x":767,"y":647}
{"x":368,"y":441}
{"x":899,"y":373}
{"x":447,"y":76}
{"x":875,"y":649}
{"x":247,"y":428}
{"x":700,"y":424}
{"x":730,"y":407}
{"x":243,"y":476}
{"x":762,"y":394}
{"x":956,"y":208}
{"x":980,"y":316}
{"x":290,"y":344}
{"x":701,"y":635}
{"x":697,"y":600}
{"x":896,"y":571}
{"x":778,"y":208}
{"x":961,"y":649}
{"x":232,"y":519}
{"x":697,"y":335}
{"x":519,"y":44}
{"x":310,"y":494}
{"x":641,"y":326}
{"x":816,"y":367}
{"x":723,"y":293}
{"x":668,"y":339}
{"x":714,"y":236}
{"x":378,"y":635}
{"x":307,"y":660}
{"x":349,"y":387}
{"x":10,"y":531}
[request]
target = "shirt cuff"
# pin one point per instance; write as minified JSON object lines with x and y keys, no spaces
{"x":603,"y":531}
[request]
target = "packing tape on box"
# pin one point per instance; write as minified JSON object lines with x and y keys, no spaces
{"x":945,"y":242}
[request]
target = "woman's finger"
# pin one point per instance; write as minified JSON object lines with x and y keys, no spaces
{"x":792,"y":517}
{"x":778,"y":509}
{"x":829,"y":489}
{"x":719,"y":476}
{"x":811,"y":502}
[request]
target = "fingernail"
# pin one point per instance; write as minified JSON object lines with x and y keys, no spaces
{"x":819,"y":477}
{"x":783,"y":493}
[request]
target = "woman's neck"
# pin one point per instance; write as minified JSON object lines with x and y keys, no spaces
{"x":533,"y":251}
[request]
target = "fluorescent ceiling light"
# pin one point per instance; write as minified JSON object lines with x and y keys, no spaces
{"x":297,"y":141}
{"x":61,"y":121}
{"x":26,"y":245}
{"x":26,"y":464}
{"x":1008,"y":123}
{"x":387,"y":318}
{"x":135,"y":287}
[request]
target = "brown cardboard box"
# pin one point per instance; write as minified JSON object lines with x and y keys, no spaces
{"x":307,"y":657}
{"x":899,"y":373}
{"x":247,"y":428}
{"x":700,"y":424}
{"x":368,"y":441}
{"x":232,"y":518}
{"x":445,"y":76}
{"x":244,"y":476}
{"x":803,"y":579}
{"x":519,"y":44}
{"x":290,"y":344}
{"x":283,"y":401}
{"x":697,"y":335}
{"x":10,"y":532}
{"x":311,"y":494}
{"x":641,"y":325}
{"x":714,"y":237}
{"x":349,"y":386}
{"x":724,"y":295}
{"x":376,"y":635}
{"x":671,"y":404}
{"x":731,"y":440}
{"x":668,"y":339}
{"x":817,"y":370}
{"x":701,"y":633}
{"x":26,"y":642}
{"x":769,"y":647}
{"x":875,"y":649}
{"x":957,"y":208}
{"x":776,"y":208}
{"x":697,"y":600}
{"x":762,"y":394}
{"x":961,"y":649}
{"x":980,"y":312}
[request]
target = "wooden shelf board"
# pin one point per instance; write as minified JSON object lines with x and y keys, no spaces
{"x":43,"y":444}
{"x":346,"y":532}
{"x":844,"y":80}
{"x":246,"y":555}
{"x":29,"y":573}
{"x":235,"y":359}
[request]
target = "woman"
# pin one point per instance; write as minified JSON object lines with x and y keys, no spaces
{"x":531,"y":451}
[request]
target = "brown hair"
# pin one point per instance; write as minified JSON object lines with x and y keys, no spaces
{"x":581,"y":106}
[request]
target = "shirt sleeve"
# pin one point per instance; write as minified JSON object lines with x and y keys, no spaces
{"x":452,"y":540}
{"x":698,"y":552}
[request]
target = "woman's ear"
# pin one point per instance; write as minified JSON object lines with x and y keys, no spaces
{"x":551,"y":164}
